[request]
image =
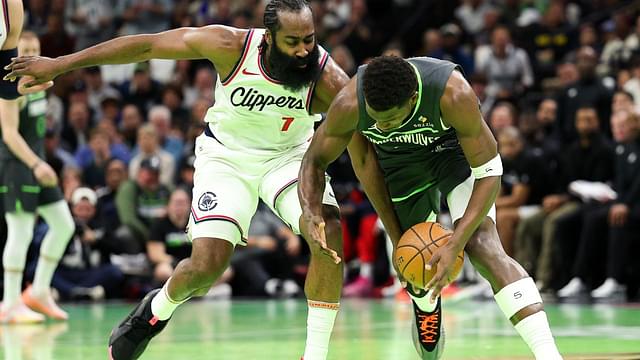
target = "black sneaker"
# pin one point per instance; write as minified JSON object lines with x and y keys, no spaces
{"x":428,"y":332}
{"x":129,"y":339}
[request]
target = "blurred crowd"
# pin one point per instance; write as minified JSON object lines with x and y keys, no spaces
{"x":558,"y":83}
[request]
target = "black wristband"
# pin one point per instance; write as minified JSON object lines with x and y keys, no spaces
{"x":8,"y":89}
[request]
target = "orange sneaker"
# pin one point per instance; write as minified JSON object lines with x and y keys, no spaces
{"x":20,"y":314}
{"x":47,"y":307}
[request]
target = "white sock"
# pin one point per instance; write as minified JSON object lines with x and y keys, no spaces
{"x":535,"y":331}
{"x":19,"y":234}
{"x":366,"y":270}
{"x":61,"y":228}
{"x":320,"y":321}
{"x":424,"y":303}
{"x":12,"y":288}
{"x":162,"y":305}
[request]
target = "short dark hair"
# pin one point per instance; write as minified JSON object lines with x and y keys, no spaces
{"x":388,"y":81}
{"x":270,"y":18}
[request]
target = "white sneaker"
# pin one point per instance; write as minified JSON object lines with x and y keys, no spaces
{"x":608,"y":289}
{"x":20,"y":314}
{"x":573,"y":288}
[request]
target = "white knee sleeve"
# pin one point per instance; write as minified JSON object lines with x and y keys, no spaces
{"x":19,"y":235}
{"x":517,"y":296}
{"x":61,"y":228}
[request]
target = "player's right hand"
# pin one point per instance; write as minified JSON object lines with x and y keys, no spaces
{"x":314,"y":228}
{"x":41,"y":68}
{"x":45,"y":174}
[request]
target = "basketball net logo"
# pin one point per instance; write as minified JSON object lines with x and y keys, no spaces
{"x":208,"y":201}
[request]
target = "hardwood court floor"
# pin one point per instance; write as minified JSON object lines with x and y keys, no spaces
{"x":365,"y":330}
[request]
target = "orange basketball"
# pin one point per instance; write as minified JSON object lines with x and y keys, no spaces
{"x":415,"y":249}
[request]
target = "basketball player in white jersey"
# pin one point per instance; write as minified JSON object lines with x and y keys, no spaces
{"x":270,"y":83}
{"x":27,"y":183}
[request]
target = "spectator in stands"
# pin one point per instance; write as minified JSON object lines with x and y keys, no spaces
{"x":622,"y":100}
{"x":589,"y":158}
{"x":90,"y":21}
{"x":76,"y":130}
{"x":140,"y":201}
{"x":148,"y":146}
{"x":549,"y":40}
{"x":523,"y":183}
{"x":185,"y":172}
{"x":84,"y":271}
{"x":141,"y":90}
{"x":144,"y":17}
{"x":56,"y":155}
{"x":56,"y":41}
{"x":70,"y":180}
{"x":203,"y":85}
{"x":265,"y":265}
{"x":115,"y":175}
{"x":160,"y":117}
{"x":589,"y":89}
{"x":168,"y":242}
{"x":92,"y":158}
{"x":471,"y":14}
{"x":452,"y":50}
{"x":545,"y":138}
{"x":173,"y":99}
{"x":506,"y":66}
{"x":503,"y":115}
{"x":98,"y":90}
{"x":130,"y":122}
{"x":611,"y":227}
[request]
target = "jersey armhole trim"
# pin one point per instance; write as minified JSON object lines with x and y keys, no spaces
{"x":323,"y":62}
{"x":5,"y":8}
{"x":243,"y":56}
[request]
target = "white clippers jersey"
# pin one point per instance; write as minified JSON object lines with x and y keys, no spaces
{"x":255,"y":113}
{"x":4,"y":23}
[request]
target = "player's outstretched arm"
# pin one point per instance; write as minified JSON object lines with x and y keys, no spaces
{"x":184,"y":43}
{"x":365,"y":164}
{"x":329,"y":141}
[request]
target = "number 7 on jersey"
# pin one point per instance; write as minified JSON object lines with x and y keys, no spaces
{"x":287,"y":122}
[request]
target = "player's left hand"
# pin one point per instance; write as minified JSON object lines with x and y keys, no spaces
{"x":314,"y":226}
{"x":24,"y":90}
{"x":618,"y":214}
{"x":444,"y":260}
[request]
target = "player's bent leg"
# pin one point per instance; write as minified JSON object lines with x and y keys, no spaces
{"x":192,"y":277}
{"x":515,"y":292}
{"x":61,"y":227}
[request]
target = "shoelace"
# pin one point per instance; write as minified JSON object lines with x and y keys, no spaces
{"x":428,"y":328}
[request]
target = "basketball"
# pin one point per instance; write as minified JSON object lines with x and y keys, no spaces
{"x":415,"y":248}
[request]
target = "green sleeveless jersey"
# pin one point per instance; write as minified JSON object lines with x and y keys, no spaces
{"x":33,"y":124}
{"x":422,"y":158}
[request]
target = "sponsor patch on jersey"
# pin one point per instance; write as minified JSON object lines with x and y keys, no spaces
{"x":208,"y":201}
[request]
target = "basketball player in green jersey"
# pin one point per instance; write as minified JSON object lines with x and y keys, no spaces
{"x":27,"y":184}
{"x":271,"y":85}
{"x":414,"y":131}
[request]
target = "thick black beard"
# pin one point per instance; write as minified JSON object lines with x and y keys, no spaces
{"x":287,"y":70}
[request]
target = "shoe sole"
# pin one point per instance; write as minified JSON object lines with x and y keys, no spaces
{"x":119,"y":335}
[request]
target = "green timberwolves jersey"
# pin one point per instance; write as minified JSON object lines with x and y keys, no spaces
{"x":33,"y":124}
{"x":423,"y":153}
